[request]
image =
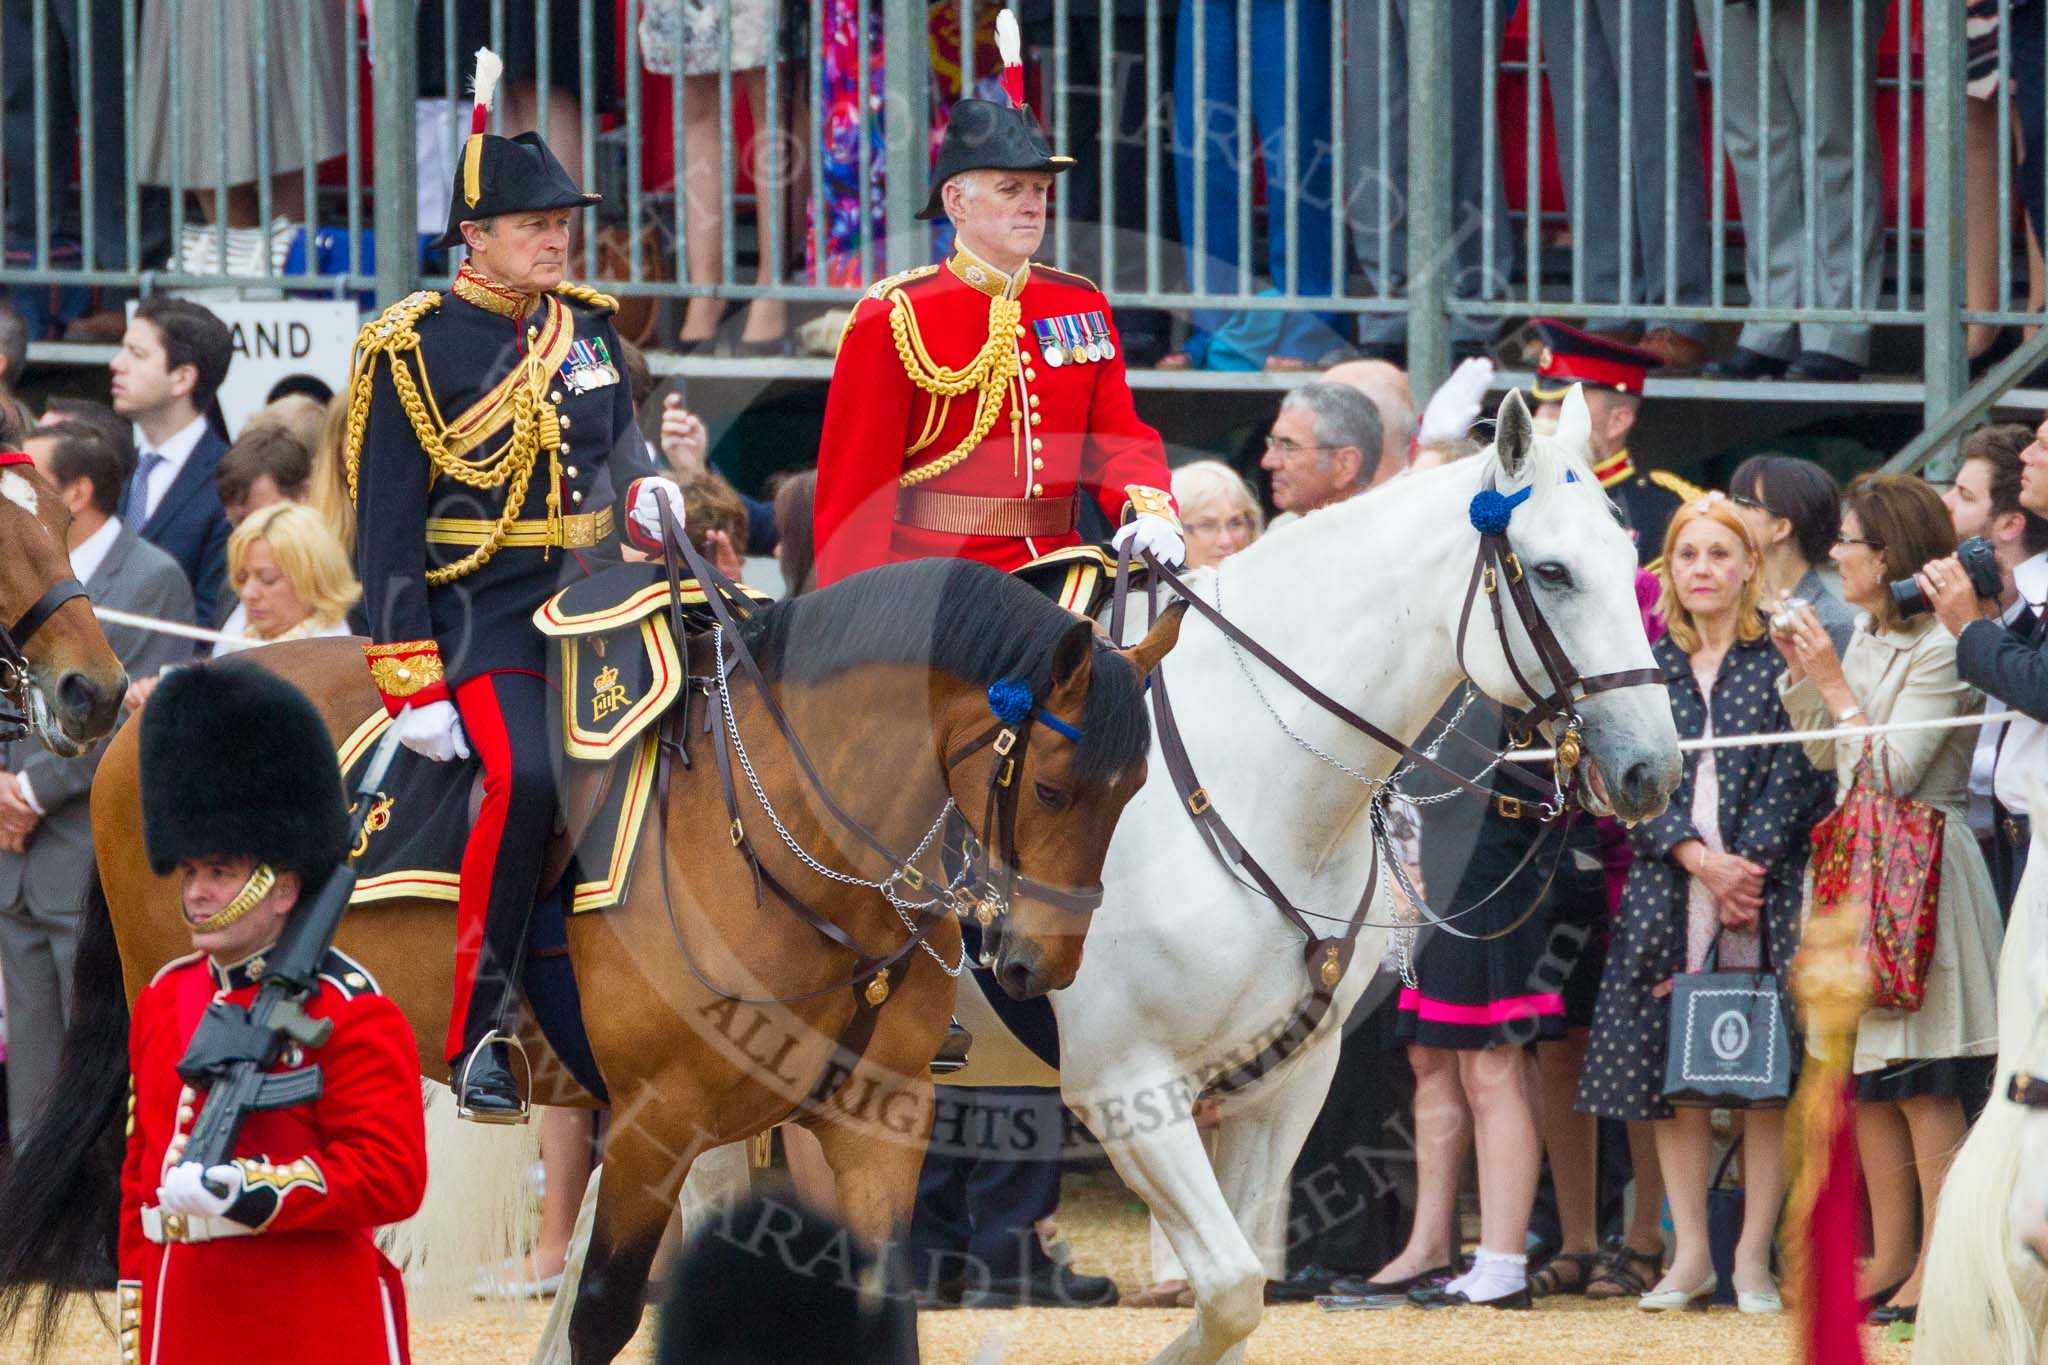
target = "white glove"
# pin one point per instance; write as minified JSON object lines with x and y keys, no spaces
{"x":184,"y":1192}
{"x":648,"y":496}
{"x":1148,"y":531}
{"x":1454,"y":407}
{"x":433,"y":731}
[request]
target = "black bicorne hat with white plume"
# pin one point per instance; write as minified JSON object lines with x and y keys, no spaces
{"x":982,"y":135}
{"x":504,"y":174}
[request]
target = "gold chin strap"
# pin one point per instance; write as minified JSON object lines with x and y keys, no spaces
{"x":248,"y":898}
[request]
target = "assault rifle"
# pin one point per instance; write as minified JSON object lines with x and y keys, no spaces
{"x":231,"y":1054}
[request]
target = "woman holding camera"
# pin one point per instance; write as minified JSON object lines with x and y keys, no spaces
{"x":1916,"y":1070}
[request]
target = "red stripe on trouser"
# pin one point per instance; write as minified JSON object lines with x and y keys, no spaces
{"x":484,"y":721}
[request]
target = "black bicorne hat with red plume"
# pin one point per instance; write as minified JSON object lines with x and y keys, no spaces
{"x":982,"y":135}
{"x":504,"y":174}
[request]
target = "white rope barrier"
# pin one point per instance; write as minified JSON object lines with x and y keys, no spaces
{"x":130,"y":619}
{"x":1803,"y":736}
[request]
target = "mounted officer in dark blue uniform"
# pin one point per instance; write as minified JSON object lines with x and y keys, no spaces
{"x":493,"y":456}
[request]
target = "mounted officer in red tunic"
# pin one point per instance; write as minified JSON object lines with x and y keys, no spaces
{"x":269,"y":1255}
{"x":973,"y":402}
{"x":493,"y":456}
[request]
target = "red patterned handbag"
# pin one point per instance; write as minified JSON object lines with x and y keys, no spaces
{"x":1878,"y":855}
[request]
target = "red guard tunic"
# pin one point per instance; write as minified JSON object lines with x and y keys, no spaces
{"x":1004,"y":398}
{"x":309,"y":1286}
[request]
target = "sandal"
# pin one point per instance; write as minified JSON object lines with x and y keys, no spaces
{"x":1549,"y":1281}
{"x":1617,"y":1276}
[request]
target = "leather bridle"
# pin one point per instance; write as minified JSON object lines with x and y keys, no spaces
{"x":989,"y":873}
{"x":1328,"y":956}
{"x":15,"y":681}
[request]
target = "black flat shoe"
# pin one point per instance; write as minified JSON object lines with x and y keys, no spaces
{"x":1351,"y":1287}
{"x":1052,"y":1285}
{"x":1452,"y":1298}
{"x":1305,"y":1285}
{"x":1885,"y":1314}
{"x":1818,"y":367}
{"x":1743,"y":363}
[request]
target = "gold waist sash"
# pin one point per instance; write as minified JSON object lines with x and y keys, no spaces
{"x":577,"y":532}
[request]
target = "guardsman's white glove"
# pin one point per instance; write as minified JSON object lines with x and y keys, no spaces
{"x":1455,"y":406}
{"x":648,"y":496}
{"x":1148,"y":531}
{"x":183,"y":1190}
{"x":433,"y":731}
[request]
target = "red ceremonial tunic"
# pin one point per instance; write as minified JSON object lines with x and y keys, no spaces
{"x":1050,"y":430}
{"x":310,"y":1286}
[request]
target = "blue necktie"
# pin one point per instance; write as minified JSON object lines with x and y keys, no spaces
{"x":135,"y":506}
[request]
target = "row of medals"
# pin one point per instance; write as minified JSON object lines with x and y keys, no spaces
{"x":1098,"y":347}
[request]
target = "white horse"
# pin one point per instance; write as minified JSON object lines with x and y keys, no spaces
{"x":1186,"y":967}
{"x":1985,"y":1298}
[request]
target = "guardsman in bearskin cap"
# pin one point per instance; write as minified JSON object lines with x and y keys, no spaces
{"x":974,"y":402}
{"x":1611,"y":374}
{"x":492,"y":453}
{"x":241,"y":798}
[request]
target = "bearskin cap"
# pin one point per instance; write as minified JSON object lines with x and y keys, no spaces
{"x":237,"y":763}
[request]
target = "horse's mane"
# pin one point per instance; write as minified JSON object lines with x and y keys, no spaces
{"x":962,"y":618}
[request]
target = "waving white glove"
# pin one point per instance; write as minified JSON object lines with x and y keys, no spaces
{"x":183,"y":1191}
{"x":648,"y":496}
{"x":433,"y":731}
{"x":1148,"y":531}
{"x":1454,"y":407}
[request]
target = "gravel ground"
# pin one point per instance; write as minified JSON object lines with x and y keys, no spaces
{"x":1107,"y":1229}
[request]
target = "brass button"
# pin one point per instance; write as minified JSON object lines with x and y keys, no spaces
{"x":532,"y":332}
{"x":1034,"y":416}
{"x":565,"y":423}
{"x":1034,"y":403}
{"x":1030,"y":376}
{"x":1037,"y":444}
{"x":1020,"y":329}
{"x":576,"y":497}
{"x":555,"y":397}
{"x":1037,"y":490}
{"x":1037,"y":463}
{"x":563,"y":447}
{"x":570,"y":471}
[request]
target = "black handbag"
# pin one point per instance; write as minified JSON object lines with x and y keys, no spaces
{"x":1730,"y":1043}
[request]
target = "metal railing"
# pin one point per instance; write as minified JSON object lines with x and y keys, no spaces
{"x":1237,"y":157}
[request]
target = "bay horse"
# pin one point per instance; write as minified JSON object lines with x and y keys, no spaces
{"x":713,"y":1011}
{"x":59,"y":678}
{"x":1191,"y":968}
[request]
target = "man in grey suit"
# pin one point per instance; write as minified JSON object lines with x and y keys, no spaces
{"x":45,"y":823}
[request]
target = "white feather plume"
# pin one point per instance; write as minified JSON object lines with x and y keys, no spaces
{"x":489,"y":66}
{"x":1008,"y":44}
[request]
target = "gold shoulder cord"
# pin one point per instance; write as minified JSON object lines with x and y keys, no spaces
{"x":588,"y":297}
{"x":1671,"y":483}
{"x":510,"y":466}
{"x":991,"y":372}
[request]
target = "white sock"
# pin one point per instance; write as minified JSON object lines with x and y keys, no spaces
{"x":1494,"y":1275}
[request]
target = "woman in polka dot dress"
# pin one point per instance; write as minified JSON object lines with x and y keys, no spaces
{"x":1725,"y":861}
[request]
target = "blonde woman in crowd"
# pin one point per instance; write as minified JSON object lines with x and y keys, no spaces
{"x":292,"y":577}
{"x":1218,"y":511}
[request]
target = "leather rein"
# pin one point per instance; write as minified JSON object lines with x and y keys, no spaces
{"x":982,"y":887}
{"x":1328,"y":956}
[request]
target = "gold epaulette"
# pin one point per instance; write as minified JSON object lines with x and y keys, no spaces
{"x":588,"y":297}
{"x":881,"y":289}
{"x":1671,"y":483}
{"x":392,"y":332}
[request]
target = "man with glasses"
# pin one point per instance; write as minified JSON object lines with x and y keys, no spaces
{"x":1611,"y":375}
{"x":1323,"y":448}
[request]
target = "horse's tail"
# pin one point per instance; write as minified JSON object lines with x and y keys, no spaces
{"x":1984,"y":1300}
{"x":60,"y":1199}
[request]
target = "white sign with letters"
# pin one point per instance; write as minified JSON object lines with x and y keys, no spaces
{"x":275,"y":339}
